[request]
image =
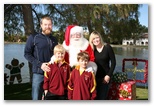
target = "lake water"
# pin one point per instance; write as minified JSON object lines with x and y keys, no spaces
{"x":13,"y":50}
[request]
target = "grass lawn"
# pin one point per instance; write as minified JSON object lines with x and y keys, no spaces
{"x":141,"y":93}
{"x":17,"y":92}
{"x":23,"y":92}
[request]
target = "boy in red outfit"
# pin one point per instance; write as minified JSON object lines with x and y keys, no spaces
{"x":56,"y":80}
{"x":82,"y":84}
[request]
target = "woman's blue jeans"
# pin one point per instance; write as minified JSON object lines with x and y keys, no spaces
{"x":37,"y":86}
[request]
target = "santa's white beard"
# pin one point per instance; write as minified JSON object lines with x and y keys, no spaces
{"x":74,"y":49}
{"x":73,"y":55}
{"x":77,"y":43}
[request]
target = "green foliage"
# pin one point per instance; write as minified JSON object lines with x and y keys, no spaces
{"x":13,"y":21}
{"x":113,"y":21}
{"x":59,"y":35}
{"x":15,"y":38}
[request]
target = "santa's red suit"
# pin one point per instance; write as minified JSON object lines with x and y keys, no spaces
{"x":71,"y":52}
{"x":74,"y":45}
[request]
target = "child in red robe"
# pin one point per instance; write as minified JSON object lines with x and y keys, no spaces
{"x":56,"y":80}
{"x":82,"y":84}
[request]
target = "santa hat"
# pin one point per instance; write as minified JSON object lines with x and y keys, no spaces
{"x":71,"y":29}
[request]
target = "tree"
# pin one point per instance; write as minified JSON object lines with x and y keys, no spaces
{"x":113,"y":21}
{"x":28,"y":19}
{"x":29,"y":27}
{"x":12,"y":19}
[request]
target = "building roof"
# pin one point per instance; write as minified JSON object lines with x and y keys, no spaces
{"x":144,"y":35}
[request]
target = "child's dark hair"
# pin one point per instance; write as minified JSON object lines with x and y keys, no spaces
{"x":83,"y":55}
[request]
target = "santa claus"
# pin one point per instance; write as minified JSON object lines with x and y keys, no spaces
{"x":74,"y":43}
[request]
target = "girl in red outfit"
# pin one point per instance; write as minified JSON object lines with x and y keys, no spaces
{"x":56,"y":80}
{"x":82,"y":80}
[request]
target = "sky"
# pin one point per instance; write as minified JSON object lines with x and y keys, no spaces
{"x":143,"y":18}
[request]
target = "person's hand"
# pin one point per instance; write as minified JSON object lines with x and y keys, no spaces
{"x":106,"y":79}
{"x":45,"y":92}
{"x":89,"y":69}
{"x":52,"y":59}
{"x":45,"y":67}
{"x":93,"y":65}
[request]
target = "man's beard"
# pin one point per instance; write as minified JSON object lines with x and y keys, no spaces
{"x":47,"y":31}
{"x":76,"y":43}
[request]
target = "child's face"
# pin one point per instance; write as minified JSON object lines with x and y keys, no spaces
{"x":83,"y":63}
{"x":59,"y":56}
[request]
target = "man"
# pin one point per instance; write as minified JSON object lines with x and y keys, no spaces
{"x":74,"y":43}
{"x":38,"y":51}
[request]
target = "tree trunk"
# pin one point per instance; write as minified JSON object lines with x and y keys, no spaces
{"x":29,"y":27}
{"x":28,"y":19}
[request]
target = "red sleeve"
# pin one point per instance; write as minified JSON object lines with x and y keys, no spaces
{"x":91,"y":53}
{"x":66,"y":57}
{"x":93,"y":87}
{"x":68,"y":76}
{"x":46,"y":80}
{"x":70,"y":87}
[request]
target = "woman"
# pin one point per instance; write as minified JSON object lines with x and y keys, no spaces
{"x":106,"y":62}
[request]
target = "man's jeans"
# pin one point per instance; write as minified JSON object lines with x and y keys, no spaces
{"x":37,"y":86}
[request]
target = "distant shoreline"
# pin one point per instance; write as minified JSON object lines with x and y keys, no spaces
{"x":129,"y":46}
{"x":113,"y":45}
{"x":5,"y":42}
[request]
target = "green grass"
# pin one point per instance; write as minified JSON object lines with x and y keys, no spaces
{"x":142,"y":93}
{"x":23,"y":92}
{"x":17,"y":92}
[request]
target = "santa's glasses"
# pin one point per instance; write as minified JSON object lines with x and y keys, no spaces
{"x":76,"y":35}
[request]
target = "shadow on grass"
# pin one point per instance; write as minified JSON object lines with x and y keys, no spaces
{"x":17,"y":92}
{"x":141,"y":98}
{"x":23,"y":92}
